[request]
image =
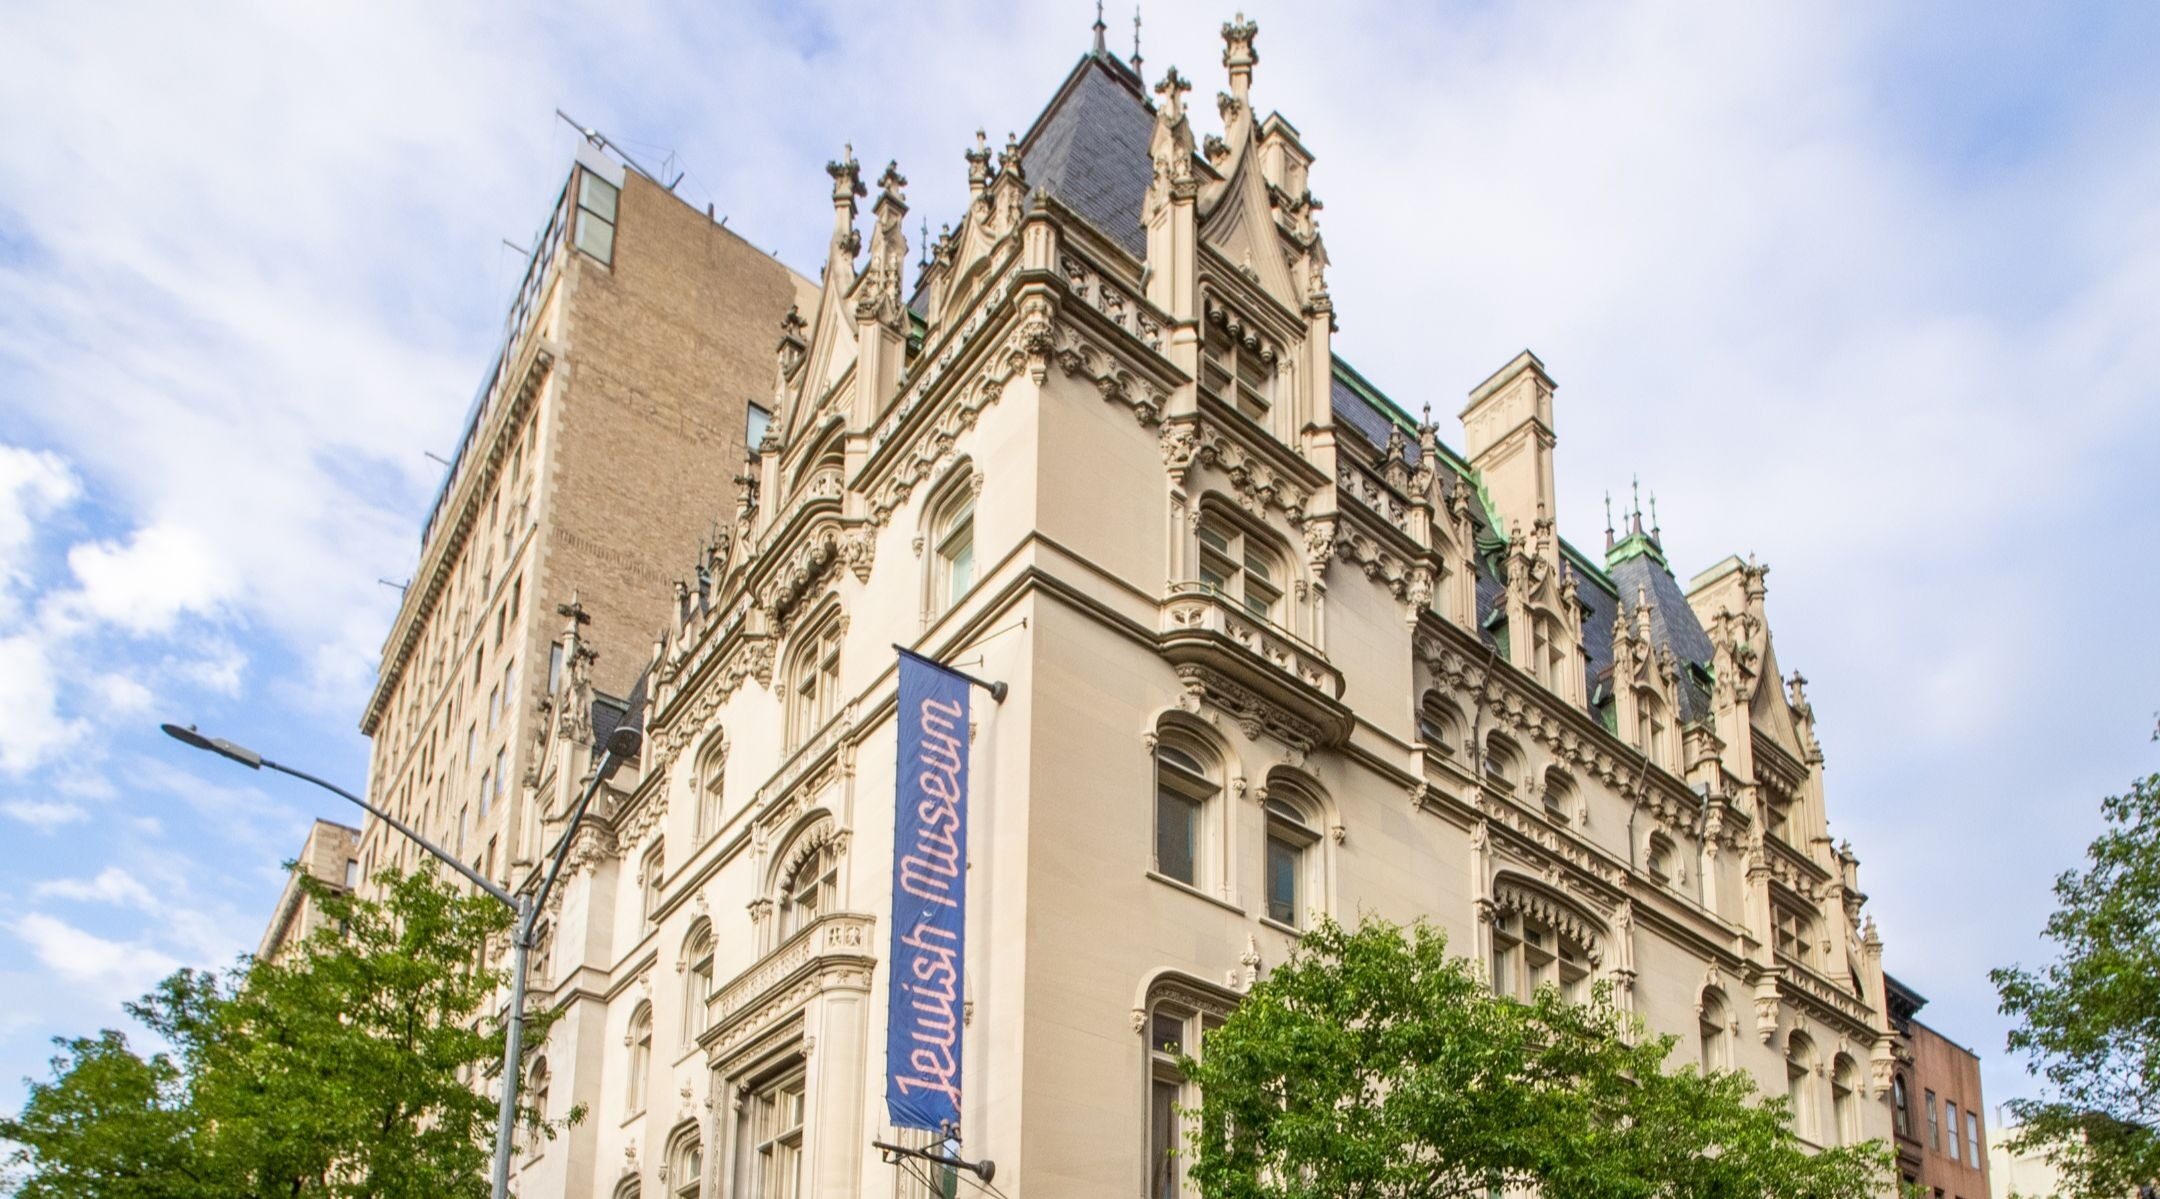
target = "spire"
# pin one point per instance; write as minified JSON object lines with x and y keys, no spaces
{"x":1100,"y":29}
{"x":1655,"y":534}
{"x":1238,"y":54}
{"x":1635,"y":506}
{"x":1608,"y":523}
{"x":847,"y":188}
{"x":1136,"y":41}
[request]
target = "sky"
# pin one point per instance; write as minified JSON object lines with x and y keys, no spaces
{"x":1866,"y":290}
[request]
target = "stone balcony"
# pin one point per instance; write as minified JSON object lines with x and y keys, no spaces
{"x":835,"y":950}
{"x":1251,"y":666}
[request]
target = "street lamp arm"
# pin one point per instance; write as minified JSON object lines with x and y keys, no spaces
{"x":623,"y":744}
{"x":471,"y":875}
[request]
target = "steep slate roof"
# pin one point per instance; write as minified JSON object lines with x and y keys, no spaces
{"x":1089,"y":148}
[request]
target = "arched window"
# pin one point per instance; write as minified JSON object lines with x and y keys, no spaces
{"x":1186,"y":785}
{"x":1292,"y":847}
{"x":811,"y":889}
{"x":813,"y":681}
{"x":1440,"y":724}
{"x":1503,"y":762}
{"x":1532,"y":951}
{"x":686,"y":1166}
{"x":697,"y":979}
{"x":1560,"y":801}
{"x":1658,"y":858}
{"x":1241,"y":567}
{"x":1901,"y":1104}
{"x":710,"y":781}
{"x":1713,"y":1024}
{"x":1844,"y":1105}
{"x":1177,"y":1020}
{"x":530,"y":1136}
{"x":640,"y":1043}
{"x":650,"y":874}
{"x":629,"y":1188}
{"x":952,"y":549}
{"x":1651,"y":726}
{"x":1800,"y":1083}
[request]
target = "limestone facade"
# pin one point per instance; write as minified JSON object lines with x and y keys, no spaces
{"x":1275,"y":652}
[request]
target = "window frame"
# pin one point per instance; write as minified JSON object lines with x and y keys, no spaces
{"x":784,"y":1091}
{"x":1185,"y":773}
{"x":699,"y":950}
{"x":813,"y":681}
{"x":1229,"y":346}
{"x":1287,"y":822}
{"x":1172,"y":1098}
{"x":952,"y":549}
{"x":587,"y":213}
{"x":822,"y":857}
{"x":1522,"y":961}
{"x":1247,"y":567}
{"x":638,"y":1069}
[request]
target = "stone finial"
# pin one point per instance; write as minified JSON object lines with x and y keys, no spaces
{"x":1101,"y":47}
{"x":1136,"y":59}
{"x":1172,"y":89}
{"x":1009,"y":158}
{"x":1238,"y":54}
{"x":847,"y":188}
{"x":892,"y":182}
{"x":978,"y":160}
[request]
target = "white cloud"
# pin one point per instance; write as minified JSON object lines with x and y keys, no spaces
{"x":110,"y":970}
{"x":33,"y":485}
{"x":34,"y":730}
{"x":148,"y":583}
{"x":112,"y":885}
{"x":45,"y":815}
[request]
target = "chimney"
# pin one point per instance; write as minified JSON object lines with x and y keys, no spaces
{"x":1508,"y":437}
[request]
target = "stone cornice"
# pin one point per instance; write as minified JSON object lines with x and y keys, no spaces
{"x":832,"y":952}
{"x":535,"y":363}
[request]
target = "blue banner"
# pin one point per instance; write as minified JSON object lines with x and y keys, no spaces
{"x":929,"y":899}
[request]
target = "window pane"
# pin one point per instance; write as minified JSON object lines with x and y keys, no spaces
{"x":596,"y":195}
{"x":1282,"y":880}
{"x":1177,"y":821}
{"x":1162,"y":1141}
{"x":1168,"y":1033}
{"x":595,"y":236}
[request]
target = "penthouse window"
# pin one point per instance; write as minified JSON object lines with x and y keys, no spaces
{"x":596,"y":200}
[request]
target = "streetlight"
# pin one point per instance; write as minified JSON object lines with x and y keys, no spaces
{"x":622,"y":744}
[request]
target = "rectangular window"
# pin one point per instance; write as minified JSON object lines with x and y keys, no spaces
{"x":555,"y":653}
{"x":596,"y":216}
{"x":502,"y":771}
{"x":487,"y":789}
{"x":1972,"y":1138}
{"x":502,"y":621}
{"x":771,"y":1140}
{"x":760,"y":420}
{"x":1282,"y":871}
{"x":1950,"y":1117}
{"x":1934,"y":1124}
{"x":494,"y":707}
{"x":1177,"y":835}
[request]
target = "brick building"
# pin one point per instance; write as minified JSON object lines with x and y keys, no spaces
{"x":1936,"y":1106}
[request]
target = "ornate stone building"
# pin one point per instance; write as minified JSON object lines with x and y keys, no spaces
{"x":1276,"y":651}
{"x":331,"y":855}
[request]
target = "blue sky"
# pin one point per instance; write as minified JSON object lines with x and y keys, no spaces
{"x":1867,"y":291}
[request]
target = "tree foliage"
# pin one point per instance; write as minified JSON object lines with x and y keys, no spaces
{"x":344,"y":1070}
{"x":2088,"y":1023}
{"x":1375,"y":1066}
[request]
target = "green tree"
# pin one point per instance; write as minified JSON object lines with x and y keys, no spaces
{"x":2088,"y":1023}
{"x":344,"y":1070}
{"x":1374,"y":1065}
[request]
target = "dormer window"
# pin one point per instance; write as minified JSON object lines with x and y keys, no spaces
{"x":1236,"y":366}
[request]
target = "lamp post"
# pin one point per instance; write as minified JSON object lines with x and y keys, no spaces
{"x":527,"y":904}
